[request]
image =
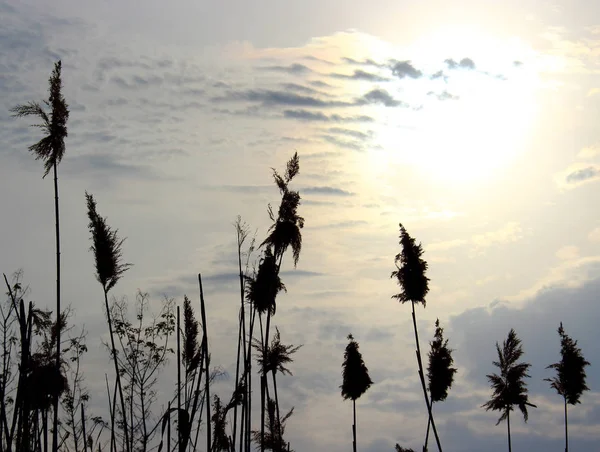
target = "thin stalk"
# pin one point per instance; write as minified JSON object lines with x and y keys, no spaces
{"x":262,"y":413}
{"x":566,"y":428}
{"x":422,"y":377}
{"x":83,"y":428}
{"x":179,"y":382}
{"x":277,"y":406}
{"x":508,"y":424}
{"x":58,"y":320}
{"x":112,"y":413}
{"x":428,"y":428}
{"x":237,"y":377}
{"x":207,"y":382}
{"x":118,"y":376}
{"x":354,"y":425}
{"x":169,"y":428}
{"x":45,"y":427}
{"x":249,"y":383}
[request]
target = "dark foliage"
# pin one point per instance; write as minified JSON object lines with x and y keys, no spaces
{"x":44,"y":382}
{"x":355,"y":375}
{"x":51,"y":148}
{"x":411,"y":270}
{"x":277,"y":356}
{"x":106,"y":247}
{"x":440,"y":372}
{"x":273,"y":438}
{"x":570,"y":370}
{"x":262,"y":289}
{"x":191,"y":348}
{"x":285,"y":231}
{"x":221,"y":441}
{"x":399,"y":448}
{"x":509,"y":388}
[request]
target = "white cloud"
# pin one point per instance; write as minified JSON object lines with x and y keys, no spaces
{"x":568,"y":253}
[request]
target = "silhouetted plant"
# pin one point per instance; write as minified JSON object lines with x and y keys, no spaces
{"x":144,"y":351}
{"x":273,"y":439}
{"x":51,"y":149}
{"x":244,"y":346}
{"x":399,"y":448}
{"x":261,"y":291}
{"x":283,"y":233}
{"x":191,"y":349}
{"x":410,"y":275}
{"x":355,"y":379}
{"x":440,"y":373}
{"x":509,"y":388}
{"x":569,"y":381}
{"x":277,"y":357}
{"x":108,"y":256}
{"x":76,"y":395}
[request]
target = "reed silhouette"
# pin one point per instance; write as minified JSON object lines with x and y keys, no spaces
{"x":51,"y":149}
{"x":570,"y":379}
{"x":42,"y":372}
{"x":440,"y":373}
{"x":414,"y":285}
{"x":509,"y":388}
{"x":355,"y":379}
{"x":108,"y":256}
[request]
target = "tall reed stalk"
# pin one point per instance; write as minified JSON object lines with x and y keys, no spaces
{"x":51,"y":149}
{"x":106,"y":247}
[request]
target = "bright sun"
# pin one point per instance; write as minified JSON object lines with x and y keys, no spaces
{"x":475,"y":133}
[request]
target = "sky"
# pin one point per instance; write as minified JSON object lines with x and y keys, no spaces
{"x":474,"y":124}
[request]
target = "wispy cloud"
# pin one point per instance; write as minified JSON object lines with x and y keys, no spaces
{"x":465,"y":63}
{"x":578,"y":174}
{"x":402,"y":69}
{"x":332,"y":191}
{"x":351,"y":133}
{"x":361,"y":75}
{"x":380,"y":96}
{"x":295,"y":68}
{"x":306,"y":115}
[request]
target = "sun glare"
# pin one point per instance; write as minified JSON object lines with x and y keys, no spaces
{"x":472,"y":124}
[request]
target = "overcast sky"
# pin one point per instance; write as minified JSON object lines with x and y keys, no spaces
{"x":474,"y":124}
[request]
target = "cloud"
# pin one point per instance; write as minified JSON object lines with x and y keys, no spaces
{"x":365,"y":62}
{"x":295,"y":69}
{"x":351,"y":133}
{"x":361,"y":75}
{"x":568,"y":253}
{"x":332,"y":191}
{"x":439,"y":74}
{"x":299,"y":88}
{"x":594,"y":235}
{"x":340,"y":224}
{"x":589,"y":152}
{"x":380,"y":96}
{"x":306,"y":115}
{"x":136,"y":81}
{"x":444,"y":95}
{"x":402,"y":69}
{"x":106,"y":165}
{"x":274,"y":97}
{"x":593,"y":92}
{"x":465,"y":63}
{"x":320,"y":83}
{"x":510,"y":232}
{"x":348,"y":144}
{"x":587,"y":174}
{"x":269,"y":97}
